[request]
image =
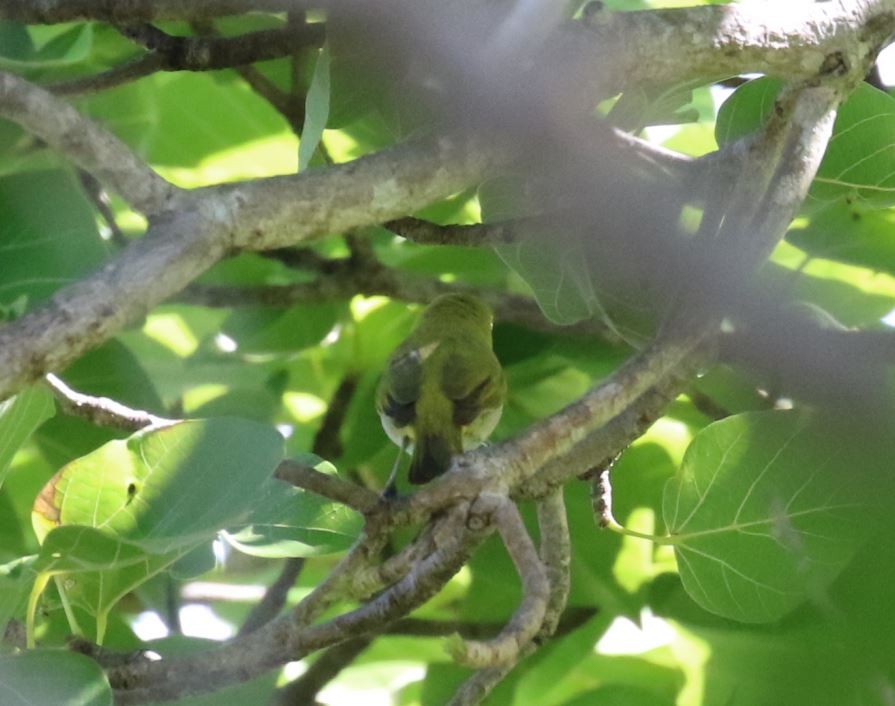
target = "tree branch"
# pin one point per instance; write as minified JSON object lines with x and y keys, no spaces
{"x":332,"y":487}
{"x":303,"y":690}
{"x":274,"y":597}
{"x":344,"y":282}
{"x":556,"y":554}
{"x":263,"y":214}
{"x":101,"y":411}
{"x":526,"y":622}
{"x":289,"y":638}
{"x":663,"y":47}
{"x":211,"y":53}
{"x":89,"y":146}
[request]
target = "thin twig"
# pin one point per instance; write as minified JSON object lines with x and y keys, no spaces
{"x":101,"y":201}
{"x":478,"y":234}
{"x":332,"y":487}
{"x":303,"y":690}
{"x":274,"y":597}
{"x":101,"y":410}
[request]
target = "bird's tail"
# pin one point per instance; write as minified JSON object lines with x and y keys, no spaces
{"x":437,"y":440}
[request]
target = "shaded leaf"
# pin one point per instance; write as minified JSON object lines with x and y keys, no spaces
{"x":19,"y":417}
{"x":287,"y":521}
{"x":57,"y":677}
{"x":42,"y":47}
{"x":316,"y":110}
{"x":43,"y":249}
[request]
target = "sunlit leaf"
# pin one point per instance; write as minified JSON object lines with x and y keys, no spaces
{"x":764,"y":513}
{"x":849,"y":231}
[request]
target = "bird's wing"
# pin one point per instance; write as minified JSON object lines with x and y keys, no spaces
{"x":474,"y":381}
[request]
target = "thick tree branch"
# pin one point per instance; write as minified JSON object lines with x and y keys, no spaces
{"x":528,"y":618}
{"x":263,"y":214}
{"x":288,"y":637}
{"x":664,"y":47}
{"x":89,"y":146}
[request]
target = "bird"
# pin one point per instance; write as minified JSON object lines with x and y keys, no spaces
{"x":443,"y":389}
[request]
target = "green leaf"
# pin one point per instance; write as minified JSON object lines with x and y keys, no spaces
{"x":560,"y":275}
{"x":288,"y":522}
{"x":765,"y":513}
{"x":266,"y":330}
{"x":57,"y":677}
{"x":94,"y":570}
{"x":669,"y":105}
{"x":19,"y":417}
{"x":77,"y":548}
{"x":746,"y":109}
{"x":849,"y":231}
{"x":316,"y":110}
{"x":860,"y":157}
{"x":44,"y":248}
{"x":620,"y":695}
{"x":16,"y":579}
{"x":144,"y":489}
{"x":199,"y":129}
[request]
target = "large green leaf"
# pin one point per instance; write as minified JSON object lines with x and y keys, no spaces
{"x":44,"y":248}
{"x":53,"y":677}
{"x":128,"y":510}
{"x":767,"y":509}
{"x":860,"y":157}
{"x":19,"y":417}
{"x":144,"y":489}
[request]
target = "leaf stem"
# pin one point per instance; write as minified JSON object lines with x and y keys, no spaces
{"x":663,"y":540}
{"x":66,"y":606}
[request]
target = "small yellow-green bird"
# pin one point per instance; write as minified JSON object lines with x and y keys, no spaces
{"x":443,"y":390}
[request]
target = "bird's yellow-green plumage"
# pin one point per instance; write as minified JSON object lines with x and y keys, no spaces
{"x":443,"y":389}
